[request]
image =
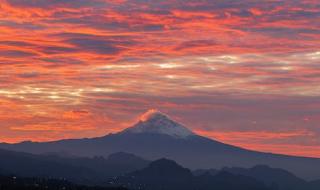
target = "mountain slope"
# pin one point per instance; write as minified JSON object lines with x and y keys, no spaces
{"x":156,"y":136}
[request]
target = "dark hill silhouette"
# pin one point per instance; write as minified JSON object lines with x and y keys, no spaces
{"x":274,"y":178}
{"x":314,"y":185}
{"x":115,"y":164}
{"x":227,"y":181}
{"x":18,"y":183}
{"x":282,"y":178}
{"x":160,"y":174}
{"x":156,"y":136}
{"x":199,"y":172}
{"x":29,"y":165}
{"x":81,"y":170}
{"x":165,"y":174}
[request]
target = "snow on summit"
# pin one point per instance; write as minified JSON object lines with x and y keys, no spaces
{"x":156,"y":122}
{"x":152,"y":113}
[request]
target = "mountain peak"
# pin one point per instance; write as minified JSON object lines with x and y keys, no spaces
{"x":156,"y":122}
{"x":152,"y":114}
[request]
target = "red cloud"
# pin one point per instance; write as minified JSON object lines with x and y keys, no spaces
{"x":93,"y":65}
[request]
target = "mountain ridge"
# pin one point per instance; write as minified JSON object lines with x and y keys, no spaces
{"x":167,"y":174}
{"x":192,"y":151}
{"x":123,"y":168}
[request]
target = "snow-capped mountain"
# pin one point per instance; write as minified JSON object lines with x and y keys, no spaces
{"x":155,"y":122}
{"x":155,"y":136}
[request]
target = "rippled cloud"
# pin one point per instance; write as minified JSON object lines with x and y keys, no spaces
{"x":243,"y":72}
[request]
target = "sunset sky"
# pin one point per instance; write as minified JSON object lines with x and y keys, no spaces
{"x":243,"y":72}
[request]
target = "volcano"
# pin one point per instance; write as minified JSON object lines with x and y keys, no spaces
{"x":156,"y":135}
{"x":155,"y":122}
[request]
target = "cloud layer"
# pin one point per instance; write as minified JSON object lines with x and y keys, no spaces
{"x":244,"y":72}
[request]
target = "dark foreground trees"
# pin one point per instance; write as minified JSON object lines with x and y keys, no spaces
{"x":17,"y":183}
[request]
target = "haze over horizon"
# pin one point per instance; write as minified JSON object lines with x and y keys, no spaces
{"x":244,"y":73}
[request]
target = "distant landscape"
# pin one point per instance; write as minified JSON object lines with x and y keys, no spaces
{"x":159,"y":94}
{"x":158,"y":139}
{"x":127,"y":171}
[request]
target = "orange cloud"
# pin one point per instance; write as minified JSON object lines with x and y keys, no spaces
{"x":75,"y":114}
{"x":91,"y":66}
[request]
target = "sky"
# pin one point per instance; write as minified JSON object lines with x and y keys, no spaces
{"x":242,"y":72}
